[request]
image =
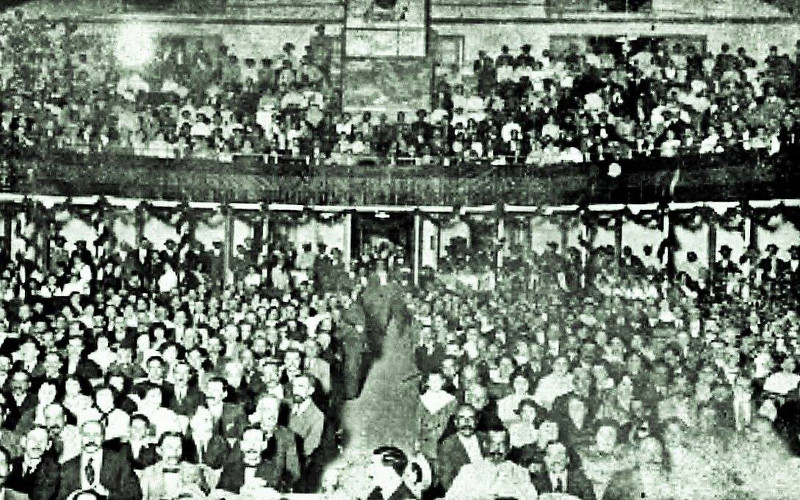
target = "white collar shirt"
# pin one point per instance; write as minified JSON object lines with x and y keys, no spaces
{"x":97,"y":461}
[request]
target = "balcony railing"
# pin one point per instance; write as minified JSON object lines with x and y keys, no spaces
{"x":732,"y":176}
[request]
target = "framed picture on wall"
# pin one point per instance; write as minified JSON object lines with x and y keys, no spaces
{"x":450,"y":51}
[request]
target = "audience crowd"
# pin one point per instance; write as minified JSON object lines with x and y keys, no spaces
{"x":608,"y":378}
{"x":142,"y":373}
{"x":67,"y":88}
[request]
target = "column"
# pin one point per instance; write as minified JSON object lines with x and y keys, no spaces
{"x":501,"y":234}
{"x":749,"y":236}
{"x":139,"y":214}
{"x":712,"y":245}
{"x":8,"y":227}
{"x":417,"y":247}
{"x":618,"y":220}
{"x":584,"y":245}
{"x":227,"y":244}
{"x":258,"y":238}
{"x":666,"y":228}
{"x":347,"y":251}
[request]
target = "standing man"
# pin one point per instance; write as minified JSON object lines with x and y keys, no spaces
{"x":104,"y":471}
{"x":354,"y":346}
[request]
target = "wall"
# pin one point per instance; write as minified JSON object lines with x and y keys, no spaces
{"x":244,"y":40}
{"x":488,"y":35}
{"x":266,"y":37}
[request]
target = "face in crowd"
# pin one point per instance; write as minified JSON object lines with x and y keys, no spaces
{"x":91,"y":437}
{"x":465,"y":421}
{"x":252,"y":445}
{"x":497,"y":445}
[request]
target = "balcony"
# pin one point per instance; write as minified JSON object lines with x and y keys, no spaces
{"x":733,"y":176}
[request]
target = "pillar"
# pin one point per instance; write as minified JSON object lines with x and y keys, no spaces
{"x":748,"y":229}
{"x":8,"y":227}
{"x":46,"y":237}
{"x":227,"y":244}
{"x":584,"y":243}
{"x":140,"y":219}
{"x":712,"y":245}
{"x":347,"y":251}
{"x":618,"y":220}
{"x":666,"y":228}
{"x":258,"y":238}
{"x":501,"y":234}
{"x":417,"y":247}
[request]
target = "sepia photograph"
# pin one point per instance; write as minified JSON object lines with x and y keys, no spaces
{"x":399,"y":249}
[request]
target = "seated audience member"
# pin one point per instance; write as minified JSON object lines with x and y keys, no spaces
{"x":560,"y":476}
{"x":35,"y":472}
{"x":306,"y":420}
{"x":386,"y":474}
{"x":494,"y":476}
{"x":281,"y":442}
{"x":98,"y":468}
{"x":171,"y":477}
{"x":202,"y":445}
{"x":459,"y":449}
{"x":247,"y":472}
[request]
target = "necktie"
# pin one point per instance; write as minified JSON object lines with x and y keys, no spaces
{"x":171,"y":470}
{"x":559,"y":485}
{"x":89,"y":471}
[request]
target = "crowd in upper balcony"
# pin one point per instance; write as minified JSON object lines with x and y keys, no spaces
{"x":65,"y":88}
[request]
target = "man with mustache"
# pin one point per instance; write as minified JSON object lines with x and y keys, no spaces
{"x":494,"y":476}
{"x":461,"y":448}
{"x":99,"y":469}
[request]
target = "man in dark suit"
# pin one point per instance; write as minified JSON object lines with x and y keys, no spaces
{"x":559,"y":476}
{"x":791,"y":274}
{"x":139,"y":449}
{"x":725,"y":267}
{"x":155,"y":377}
{"x":771,"y":266}
{"x":247,"y":471}
{"x":6,"y":491}
{"x":20,"y":397}
{"x":102,"y":470}
{"x":386,"y":475}
{"x":203,"y":445}
{"x":34,"y":473}
{"x":186,"y":396}
{"x":461,"y":448}
{"x":281,"y":442}
{"x":229,"y":418}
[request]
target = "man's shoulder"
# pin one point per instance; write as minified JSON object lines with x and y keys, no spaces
{"x":15,"y":495}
